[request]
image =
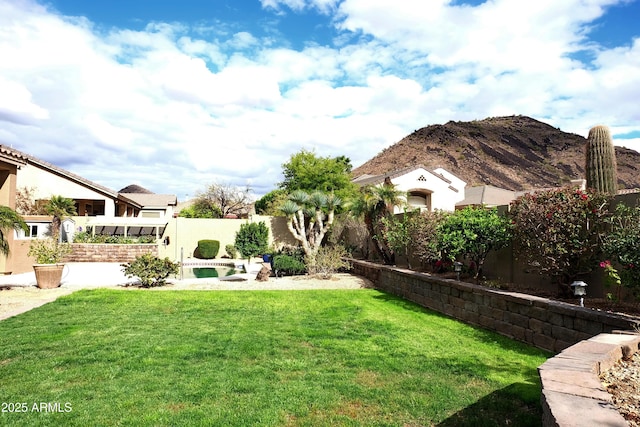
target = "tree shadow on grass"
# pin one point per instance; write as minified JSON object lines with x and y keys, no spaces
{"x":515,"y":405}
{"x":503,"y":407}
{"x":406,"y":304}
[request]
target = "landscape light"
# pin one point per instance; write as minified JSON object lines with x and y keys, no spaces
{"x":580,"y":290}
{"x":457,"y":267}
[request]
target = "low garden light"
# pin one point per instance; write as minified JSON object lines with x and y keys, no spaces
{"x":579,"y":289}
{"x":457,"y":267}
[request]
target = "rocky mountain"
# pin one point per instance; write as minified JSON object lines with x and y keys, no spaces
{"x":515,"y":153}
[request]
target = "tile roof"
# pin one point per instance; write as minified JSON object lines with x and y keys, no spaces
{"x":487,"y":195}
{"x":152,"y":200}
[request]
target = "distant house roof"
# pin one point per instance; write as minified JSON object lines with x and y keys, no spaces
{"x":134,"y":188}
{"x":153,"y":200}
{"x":147,"y":198}
{"x":486,"y":195}
{"x":367,"y":179}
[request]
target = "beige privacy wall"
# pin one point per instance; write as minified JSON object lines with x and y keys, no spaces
{"x":184,"y":234}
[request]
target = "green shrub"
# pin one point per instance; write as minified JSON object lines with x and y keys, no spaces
{"x":622,"y":245}
{"x":231,"y":251}
{"x":472,"y":233}
{"x":48,"y":251}
{"x":288,"y":265}
{"x":82,"y":237}
{"x":252,"y":239}
{"x":151,"y":270}
{"x":207,"y":249}
{"x":294,"y":251}
{"x":86,"y":237}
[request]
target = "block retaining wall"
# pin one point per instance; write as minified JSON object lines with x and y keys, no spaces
{"x":93,"y":252}
{"x":546,"y":324}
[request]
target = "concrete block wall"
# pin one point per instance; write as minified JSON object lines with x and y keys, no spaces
{"x":546,"y":324}
{"x":91,"y":252}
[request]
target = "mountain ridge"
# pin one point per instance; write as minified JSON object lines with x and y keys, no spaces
{"x":513,"y":152}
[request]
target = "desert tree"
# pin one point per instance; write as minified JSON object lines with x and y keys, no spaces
{"x":307,"y":171}
{"x":26,"y":204}
{"x":270,"y":203}
{"x":225,"y":198}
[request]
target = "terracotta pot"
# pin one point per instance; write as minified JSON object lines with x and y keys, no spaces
{"x":48,"y":276}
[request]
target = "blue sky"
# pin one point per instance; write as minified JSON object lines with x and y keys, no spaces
{"x":176,"y":95}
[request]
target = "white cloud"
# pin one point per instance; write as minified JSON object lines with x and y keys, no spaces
{"x":173,"y":108}
{"x":16,"y":104}
{"x":323,"y":6}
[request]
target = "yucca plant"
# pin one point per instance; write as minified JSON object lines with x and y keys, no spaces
{"x":309,"y":217}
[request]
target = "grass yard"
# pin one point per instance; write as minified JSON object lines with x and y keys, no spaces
{"x":267,"y":358}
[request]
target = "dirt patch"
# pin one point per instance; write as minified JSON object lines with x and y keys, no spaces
{"x":18,"y":299}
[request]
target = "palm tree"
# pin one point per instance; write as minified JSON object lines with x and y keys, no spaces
{"x":9,"y":220}
{"x":60,"y":208}
{"x":373,"y":204}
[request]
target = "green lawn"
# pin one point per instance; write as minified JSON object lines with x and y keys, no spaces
{"x":277,"y":358}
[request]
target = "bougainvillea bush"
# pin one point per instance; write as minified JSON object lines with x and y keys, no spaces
{"x":557,"y":232}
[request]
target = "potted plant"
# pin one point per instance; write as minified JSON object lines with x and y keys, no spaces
{"x":48,"y":268}
{"x":50,"y":252}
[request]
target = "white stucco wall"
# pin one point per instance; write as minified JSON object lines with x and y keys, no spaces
{"x":443,"y":194}
{"x":47,"y":184}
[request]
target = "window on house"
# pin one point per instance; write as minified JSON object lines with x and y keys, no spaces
{"x":419,"y":200}
{"x":35,"y":230}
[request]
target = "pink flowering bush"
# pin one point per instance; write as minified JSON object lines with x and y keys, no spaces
{"x":612,"y":277}
{"x":557,"y":232}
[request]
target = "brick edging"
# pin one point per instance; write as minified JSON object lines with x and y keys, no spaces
{"x":572,"y":394}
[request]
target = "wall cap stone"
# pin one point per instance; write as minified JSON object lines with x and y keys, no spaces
{"x":571,"y":382}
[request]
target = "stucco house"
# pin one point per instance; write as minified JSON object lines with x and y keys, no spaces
{"x":98,"y":207}
{"x":429,"y":190}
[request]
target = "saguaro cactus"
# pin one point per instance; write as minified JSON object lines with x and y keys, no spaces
{"x":601,"y":161}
